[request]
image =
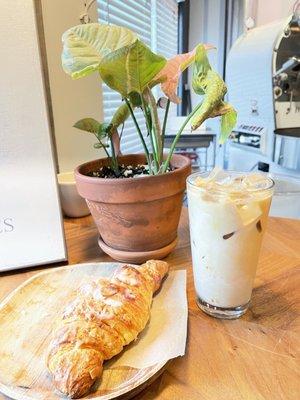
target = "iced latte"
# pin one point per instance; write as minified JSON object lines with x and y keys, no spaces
{"x":228,"y":213}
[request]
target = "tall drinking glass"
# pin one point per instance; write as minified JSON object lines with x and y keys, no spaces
{"x":228,"y":213}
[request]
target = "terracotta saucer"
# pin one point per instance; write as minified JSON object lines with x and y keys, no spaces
{"x":137,"y":257}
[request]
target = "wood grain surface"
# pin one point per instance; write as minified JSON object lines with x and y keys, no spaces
{"x":253,"y":358}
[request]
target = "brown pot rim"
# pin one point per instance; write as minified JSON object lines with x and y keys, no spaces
{"x":134,"y":190}
{"x":109,"y":181}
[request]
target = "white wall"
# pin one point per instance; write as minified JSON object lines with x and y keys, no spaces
{"x":206,"y":21}
{"x":266,"y":11}
{"x":71,"y":99}
{"x":206,"y":26}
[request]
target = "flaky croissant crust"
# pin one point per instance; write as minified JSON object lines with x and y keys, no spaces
{"x":102,"y":318}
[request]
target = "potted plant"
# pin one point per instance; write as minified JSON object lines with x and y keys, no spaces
{"x":137,"y":217}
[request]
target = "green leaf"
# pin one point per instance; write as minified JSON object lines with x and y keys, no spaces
{"x":88,"y":125}
{"x":122,"y":112}
{"x":135,"y":99}
{"x":84,"y":46}
{"x":228,"y":121}
{"x":200,"y":70}
{"x":206,"y":81}
{"x":130,"y":68}
{"x":105,"y":130}
{"x":101,"y":130}
{"x":120,"y":115}
{"x":214,"y":89}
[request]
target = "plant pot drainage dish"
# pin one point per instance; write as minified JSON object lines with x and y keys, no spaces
{"x":136,"y":199}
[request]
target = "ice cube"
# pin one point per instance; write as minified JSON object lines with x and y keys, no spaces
{"x":214,"y":173}
{"x":222,"y":217}
{"x":220,"y":177}
{"x":217,"y":178}
{"x":225,"y":180}
{"x":254,"y":181}
{"x":249,"y":212}
{"x":203,"y":182}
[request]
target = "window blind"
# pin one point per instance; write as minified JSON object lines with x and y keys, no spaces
{"x":167,"y":39}
{"x":155,"y":22}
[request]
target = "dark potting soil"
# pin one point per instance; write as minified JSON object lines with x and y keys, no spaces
{"x":125,"y":171}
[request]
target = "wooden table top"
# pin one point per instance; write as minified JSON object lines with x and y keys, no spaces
{"x":253,"y":358}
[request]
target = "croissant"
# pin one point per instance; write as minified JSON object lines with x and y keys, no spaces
{"x":103,"y":317}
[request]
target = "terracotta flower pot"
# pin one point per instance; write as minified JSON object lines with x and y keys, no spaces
{"x":137,"y":218}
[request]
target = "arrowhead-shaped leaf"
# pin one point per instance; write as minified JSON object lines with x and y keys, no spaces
{"x":201,"y":70}
{"x":170,"y":74}
{"x":228,"y":121}
{"x":130,"y":68}
{"x":208,"y":83}
{"x":88,"y":125}
{"x":214,"y":90}
{"x":84,"y":46}
{"x":122,"y":112}
{"x":120,"y":115}
{"x":101,"y":130}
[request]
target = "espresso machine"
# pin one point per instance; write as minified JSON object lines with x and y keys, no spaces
{"x":263,"y":78}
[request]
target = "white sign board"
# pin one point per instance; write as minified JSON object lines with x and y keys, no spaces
{"x":31,"y":230}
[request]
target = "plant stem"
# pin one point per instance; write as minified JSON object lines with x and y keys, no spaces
{"x":114,"y":159}
{"x":172,"y":148}
{"x":140,"y":135}
{"x":103,"y":146}
{"x":155,"y":163}
{"x":122,"y":130}
{"x":149,"y":128}
{"x":163,"y":132}
{"x":155,"y":124}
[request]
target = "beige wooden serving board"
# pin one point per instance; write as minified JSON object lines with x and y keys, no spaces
{"x":27,"y":317}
